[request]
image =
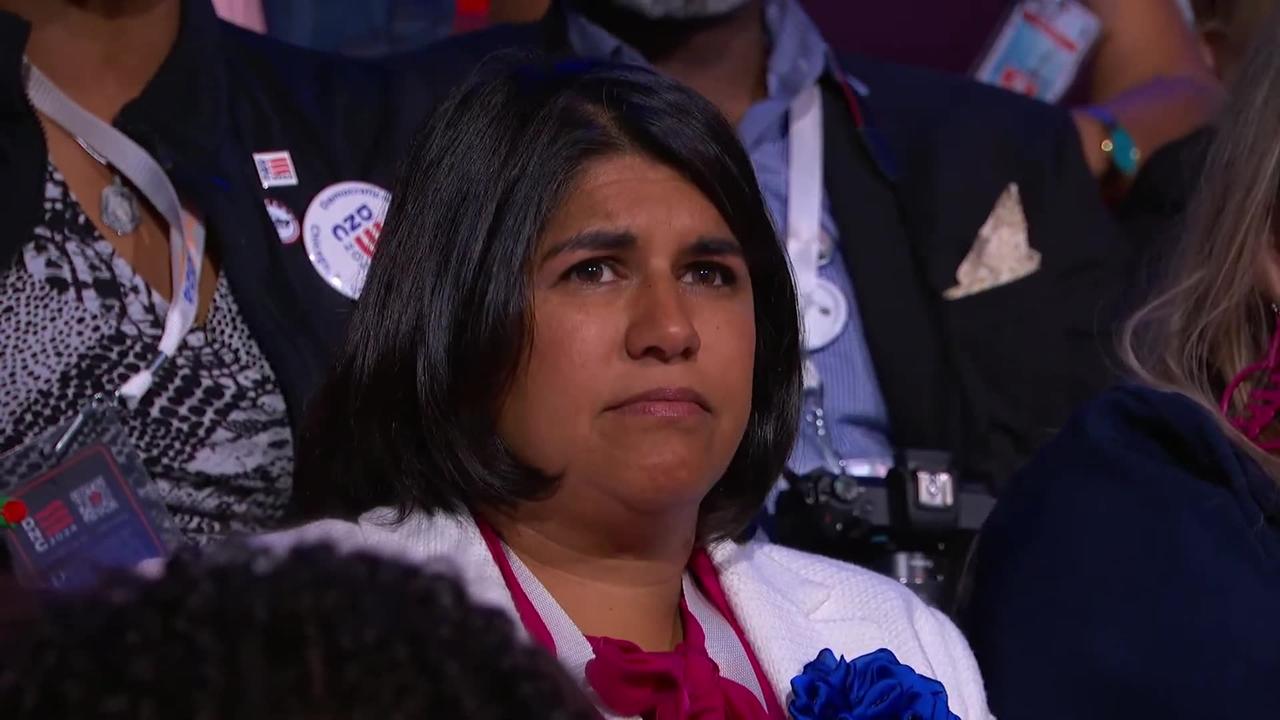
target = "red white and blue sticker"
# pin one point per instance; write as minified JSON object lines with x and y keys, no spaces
{"x":286,"y":223}
{"x":340,"y":232}
{"x":275,"y":169}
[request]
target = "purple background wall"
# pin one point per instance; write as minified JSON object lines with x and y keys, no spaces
{"x":943,"y":34}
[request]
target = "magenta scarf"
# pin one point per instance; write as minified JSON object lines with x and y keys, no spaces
{"x":682,"y":684}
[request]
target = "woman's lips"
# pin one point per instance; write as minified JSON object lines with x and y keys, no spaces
{"x":664,"y":402}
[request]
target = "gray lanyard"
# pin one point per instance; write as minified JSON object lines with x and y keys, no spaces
{"x":186,"y":234}
{"x":823,"y":309}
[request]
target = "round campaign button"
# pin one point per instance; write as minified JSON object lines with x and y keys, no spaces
{"x":825,"y":311}
{"x":287,"y":225}
{"x":340,"y":232}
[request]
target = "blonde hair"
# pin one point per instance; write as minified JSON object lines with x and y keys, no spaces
{"x":1211,"y":319}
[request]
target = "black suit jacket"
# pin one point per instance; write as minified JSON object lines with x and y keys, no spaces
{"x":988,"y":377}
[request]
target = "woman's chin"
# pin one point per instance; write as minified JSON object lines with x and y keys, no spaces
{"x":656,"y":487}
{"x":669,"y":442}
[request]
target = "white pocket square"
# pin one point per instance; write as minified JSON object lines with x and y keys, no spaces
{"x":1002,"y":252}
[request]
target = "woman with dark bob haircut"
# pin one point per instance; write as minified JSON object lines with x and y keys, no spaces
{"x":574,"y":373}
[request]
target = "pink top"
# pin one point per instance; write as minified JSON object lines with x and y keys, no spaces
{"x":682,"y":683}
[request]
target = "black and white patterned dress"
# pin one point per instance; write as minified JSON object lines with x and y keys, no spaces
{"x":75,"y":320}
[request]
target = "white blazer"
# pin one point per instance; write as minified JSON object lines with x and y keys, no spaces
{"x":791,"y":604}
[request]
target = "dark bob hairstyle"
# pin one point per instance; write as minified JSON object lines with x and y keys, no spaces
{"x":409,"y":416}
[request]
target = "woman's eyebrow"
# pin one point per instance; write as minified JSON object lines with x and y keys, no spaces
{"x":592,"y":241}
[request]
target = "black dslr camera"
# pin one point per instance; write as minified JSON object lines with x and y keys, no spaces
{"x":913,"y":521}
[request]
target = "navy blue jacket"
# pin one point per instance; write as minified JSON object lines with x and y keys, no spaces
{"x":1132,"y":570}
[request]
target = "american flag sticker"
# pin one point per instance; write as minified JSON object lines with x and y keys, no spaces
{"x":275,"y":169}
{"x":54,"y":518}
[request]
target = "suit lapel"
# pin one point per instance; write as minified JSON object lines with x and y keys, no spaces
{"x":898,"y":314}
{"x":785,"y":616}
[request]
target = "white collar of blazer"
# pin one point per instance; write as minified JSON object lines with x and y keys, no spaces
{"x":787,"y":616}
{"x":1001,"y":253}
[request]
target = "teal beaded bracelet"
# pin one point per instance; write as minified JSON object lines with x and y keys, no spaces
{"x":1119,"y":146}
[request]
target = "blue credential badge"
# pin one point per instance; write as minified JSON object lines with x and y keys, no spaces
{"x":90,"y":504}
{"x":1040,"y":48}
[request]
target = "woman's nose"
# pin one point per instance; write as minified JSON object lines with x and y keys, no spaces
{"x":661,"y":326}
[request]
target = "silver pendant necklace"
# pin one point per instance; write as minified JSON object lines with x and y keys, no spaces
{"x":118,"y":206}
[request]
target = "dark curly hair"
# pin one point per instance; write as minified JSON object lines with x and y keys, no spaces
{"x":312,"y":636}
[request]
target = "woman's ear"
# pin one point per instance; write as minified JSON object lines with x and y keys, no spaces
{"x":1213,"y":49}
{"x":1269,"y":268}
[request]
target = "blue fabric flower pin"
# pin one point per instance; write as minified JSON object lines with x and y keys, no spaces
{"x":873,"y":687}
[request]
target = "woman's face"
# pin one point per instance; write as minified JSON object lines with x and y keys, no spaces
{"x":637,"y":387}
